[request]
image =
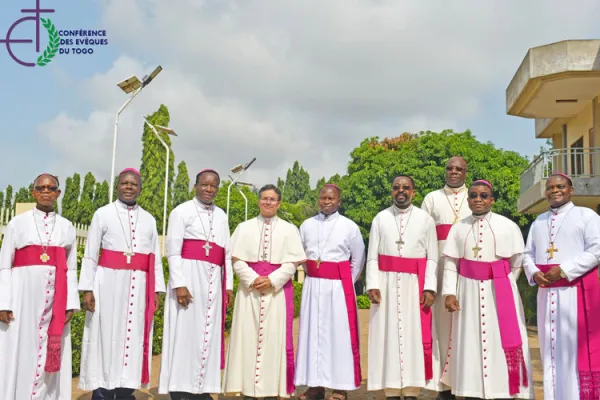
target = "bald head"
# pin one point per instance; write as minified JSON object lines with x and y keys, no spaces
{"x":456,"y":172}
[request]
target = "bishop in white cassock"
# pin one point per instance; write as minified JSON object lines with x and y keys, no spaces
{"x":119,"y":294}
{"x":446,"y":206}
{"x":488,"y":353}
{"x":402,"y":281}
{"x":200,"y":286}
{"x":328,"y":344}
{"x":265,"y":252}
{"x":561,"y":256}
{"x":38,"y":295}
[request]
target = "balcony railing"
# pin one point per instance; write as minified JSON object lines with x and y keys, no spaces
{"x":575,"y":162}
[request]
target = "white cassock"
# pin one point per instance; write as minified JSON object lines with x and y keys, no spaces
{"x":192,"y":337}
{"x":29,"y":292}
{"x":327,"y":355}
{"x":260,"y":360}
{"x":446,"y":206}
{"x":113,"y":336}
{"x":476,"y":365}
{"x":575,"y":232}
{"x":396,"y":339}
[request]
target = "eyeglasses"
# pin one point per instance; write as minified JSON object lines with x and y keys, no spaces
{"x":484,"y":195}
{"x":269,"y":200}
{"x":47,"y":187}
{"x":398,"y":187}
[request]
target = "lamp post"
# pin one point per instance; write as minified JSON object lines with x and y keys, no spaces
{"x":239,"y":171}
{"x":168,"y":150}
{"x":135,"y":86}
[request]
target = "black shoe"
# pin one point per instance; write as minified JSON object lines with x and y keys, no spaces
{"x":446,"y":395}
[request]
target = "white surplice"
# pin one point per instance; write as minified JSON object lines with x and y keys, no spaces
{"x":29,"y":293}
{"x":191,"y":355}
{"x":396,"y":359}
{"x":575,"y":232}
{"x":447,"y":206}
{"x":113,"y":335}
{"x":324,"y":349}
{"x":476,"y":361}
{"x":256,"y":360}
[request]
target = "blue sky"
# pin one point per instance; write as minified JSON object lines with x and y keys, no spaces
{"x":278,"y":81}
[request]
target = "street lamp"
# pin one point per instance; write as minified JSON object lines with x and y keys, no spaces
{"x":168,"y":150}
{"x":239,"y":170}
{"x":129,"y":85}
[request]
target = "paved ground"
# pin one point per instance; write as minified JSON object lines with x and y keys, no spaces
{"x":360,"y":394}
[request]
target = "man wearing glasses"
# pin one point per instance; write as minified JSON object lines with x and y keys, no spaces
{"x":200,"y":288}
{"x":38,"y":296}
{"x":447,"y":206}
{"x":488,"y":354}
{"x":265,"y":252}
{"x":120,"y":294}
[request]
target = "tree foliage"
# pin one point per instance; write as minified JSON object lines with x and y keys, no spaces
{"x":1,"y":199}
{"x":85,"y":208}
{"x":70,"y":198}
{"x":24,"y":195}
{"x":237,"y":205}
{"x":8,"y":197}
{"x":296,"y":186}
{"x":153,"y":167}
{"x":100,"y":195}
{"x":181,"y":188}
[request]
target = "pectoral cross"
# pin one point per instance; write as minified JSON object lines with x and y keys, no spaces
{"x":476,"y":250}
{"x":455,"y":220}
{"x":399,"y":242}
{"x":44,"y":257}
{"x":128,"y":254}
{"x":551,"y":250}
{"x":206,"y":248}
{"x":318,"y":263}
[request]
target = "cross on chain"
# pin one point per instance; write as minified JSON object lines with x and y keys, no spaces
{"x":206,"y":248}
{"x":128,"y":254}
{"x":551,"y":250}
{"x":399,"y":242}
{"x":44,"y":257}
{"x":318,"y":263}
{"x":476,"y":250}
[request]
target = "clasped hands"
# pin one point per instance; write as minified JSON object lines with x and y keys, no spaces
{"x":262,"y":283}
{"x":548,"y":278}
{"x":427,"y":299}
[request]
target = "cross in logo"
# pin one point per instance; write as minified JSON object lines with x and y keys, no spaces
{"x":37,"y":11}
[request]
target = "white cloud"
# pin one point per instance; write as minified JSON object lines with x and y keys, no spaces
{"x":304,"y":80}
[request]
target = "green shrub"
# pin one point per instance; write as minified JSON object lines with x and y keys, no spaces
{"x":363,"y":302}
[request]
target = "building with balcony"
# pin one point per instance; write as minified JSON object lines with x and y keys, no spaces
{"x":558,"y":85}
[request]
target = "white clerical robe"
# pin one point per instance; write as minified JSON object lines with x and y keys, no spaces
{"x":113,"y":336}
{"x":324,"y":347}
{"x":447,"y":206}
{"x":575,"y":232}
{"x":191,"y":356}
{"x":396,"y":354}
{"x":257,"y":362}
{"x":476,"y":363}
{"x":29,"y":293}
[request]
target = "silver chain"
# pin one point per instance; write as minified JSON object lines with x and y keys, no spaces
{"x":45,"y":250}
{"x":130,"y":244}
{"x":211,"y":214}
{"x":320,"y":251}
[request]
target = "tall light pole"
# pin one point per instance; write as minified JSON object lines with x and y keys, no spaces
{"x":239,"y":171}
{"x":168,"y":150}
{"x":130,"y":85}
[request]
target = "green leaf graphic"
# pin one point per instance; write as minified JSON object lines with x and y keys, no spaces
{"x":53,"y":43}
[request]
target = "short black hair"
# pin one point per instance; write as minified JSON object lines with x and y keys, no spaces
{"x":50,"y":175}
{"x":270,"y":187}
{"x":412,"y":181}
{"x":206,"y":171}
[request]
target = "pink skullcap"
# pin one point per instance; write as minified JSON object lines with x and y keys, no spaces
{"x":561,"y":174}
{"x":333,"y":185}
{"x":486,"y":183}
{"x":135,"y":171}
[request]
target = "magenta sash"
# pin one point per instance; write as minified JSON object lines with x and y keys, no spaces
{"x":30,"y":255}
{"x":341,"y":271}
{"x":588,"y":330}
{"x":192,"y":250}
{"x":508,"y":322}
{"x":442,"y":231}
{"x":414,"y":266}
{"x":264,"y":269}
{"x":139,"y":262}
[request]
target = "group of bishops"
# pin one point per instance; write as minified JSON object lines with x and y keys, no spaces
{"x":446,"y":315}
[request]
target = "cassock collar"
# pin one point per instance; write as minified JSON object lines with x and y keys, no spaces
{"x":201,"y":206}
{"x":562,"y":209}
{"x":267,"y":220}
{"x":448,"y":190}
{"x":40,"y":213}
{"x":330,"y":217}
{"x":124,"y":206}
{"x":482,"y":216}
{"x":401,"y":211}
